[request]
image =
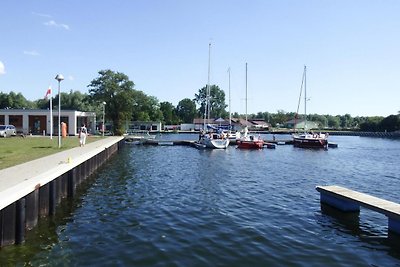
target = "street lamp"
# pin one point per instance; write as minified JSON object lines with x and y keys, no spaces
{"x":104,"y":113}
{"x":59,"y":78}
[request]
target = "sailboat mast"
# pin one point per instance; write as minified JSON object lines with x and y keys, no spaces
{"x":305,"y":99}
{"x":246,"y":92}
{"x":229,"y":84}
{"x":208,"y":82}
{"x":206,"y":108}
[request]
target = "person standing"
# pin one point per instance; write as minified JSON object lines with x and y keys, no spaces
{"x":82,"y":135}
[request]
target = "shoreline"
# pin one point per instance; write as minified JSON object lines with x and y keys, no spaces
{"x":330,"y":132}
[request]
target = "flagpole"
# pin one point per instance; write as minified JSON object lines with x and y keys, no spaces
{"x":51,"y":115}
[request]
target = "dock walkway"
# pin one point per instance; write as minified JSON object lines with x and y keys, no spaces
{"x":18,"y":181}
{"x":348,"y":200}
{"x":33,"y":189}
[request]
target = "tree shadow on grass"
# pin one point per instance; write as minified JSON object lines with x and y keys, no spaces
{"x":42,"y":147}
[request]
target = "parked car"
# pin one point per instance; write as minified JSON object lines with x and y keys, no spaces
{"x":7,"y":130}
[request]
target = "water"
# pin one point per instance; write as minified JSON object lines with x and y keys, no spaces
{"x":178,"y":206}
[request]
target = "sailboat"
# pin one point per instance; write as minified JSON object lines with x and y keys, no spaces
{"x":213,"y":140}
{"x":249,"y":141}
{"x":306,"y":139}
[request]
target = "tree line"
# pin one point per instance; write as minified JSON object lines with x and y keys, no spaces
{"x":125,"y":103}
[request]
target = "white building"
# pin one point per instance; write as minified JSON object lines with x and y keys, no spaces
{"x":37,"y":121}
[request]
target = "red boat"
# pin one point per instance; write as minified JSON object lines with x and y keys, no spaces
{"x":251,"y":143}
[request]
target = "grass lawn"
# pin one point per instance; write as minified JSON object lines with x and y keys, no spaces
{"x":17,"y":150}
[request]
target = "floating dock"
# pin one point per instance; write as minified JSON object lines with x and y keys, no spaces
{"x":271,"y":144}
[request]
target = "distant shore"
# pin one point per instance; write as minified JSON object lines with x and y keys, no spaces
{"x":281,"y":131}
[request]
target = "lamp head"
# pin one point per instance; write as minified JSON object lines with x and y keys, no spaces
{"x":59,"y":77}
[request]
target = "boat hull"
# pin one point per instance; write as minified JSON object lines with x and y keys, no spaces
{"x":257,"y":144}
{"x":213,"y":143}
{"x":310,"y":142}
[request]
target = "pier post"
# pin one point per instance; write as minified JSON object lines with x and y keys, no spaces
{"x":64,"y":185}
{"x":20,"y":221}
{"x":58,"y":189}
{"x":44,"y":200}
{"x":32,"y":209}
{"x":7,"y":225}
{"x":53,"y":197}
{"x":72,"y":182}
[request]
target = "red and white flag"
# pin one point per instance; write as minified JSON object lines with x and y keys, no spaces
{"x":48,"y":92}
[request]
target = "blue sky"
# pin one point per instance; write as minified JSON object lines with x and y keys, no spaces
{"x":351,"y":49}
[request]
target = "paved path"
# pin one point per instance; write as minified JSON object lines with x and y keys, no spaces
{"x":18,"y":181}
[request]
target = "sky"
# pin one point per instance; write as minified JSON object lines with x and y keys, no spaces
{"x":351,"y":49}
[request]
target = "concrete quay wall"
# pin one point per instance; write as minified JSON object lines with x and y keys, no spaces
{"x":34,"y":189}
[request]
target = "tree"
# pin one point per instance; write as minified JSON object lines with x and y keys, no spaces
{"x":116,"y":90}
{"x":333,"y":122}
{"x":169,"y":113}
{"x":390,"y":123}
{"x":74,"y":100}
{"x":15,"y":101}
{"x":186,"y":110}
{"x":346,"y":121}
{"x":371,"y":124}
{"x":217,"y":101}
{"x":280,"y":118}
{"x":146,"y":108}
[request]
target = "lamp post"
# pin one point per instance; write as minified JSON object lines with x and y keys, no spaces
{"x":104,"y":113}
{"x":59,"y":78}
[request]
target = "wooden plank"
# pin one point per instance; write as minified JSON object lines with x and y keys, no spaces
{"x":389,"y":208}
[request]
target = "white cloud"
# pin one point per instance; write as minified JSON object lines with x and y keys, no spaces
{"x":41,"y":15}
{"x":31,"y":53}
{"x":52,"y":23}
{"x":2,"y":68}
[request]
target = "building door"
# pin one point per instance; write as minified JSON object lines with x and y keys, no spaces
{"x":37,"y":124}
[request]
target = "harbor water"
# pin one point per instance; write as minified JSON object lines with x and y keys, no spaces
{"x":179,"y":206}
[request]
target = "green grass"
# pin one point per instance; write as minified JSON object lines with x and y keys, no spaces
{"x":17,"y":150}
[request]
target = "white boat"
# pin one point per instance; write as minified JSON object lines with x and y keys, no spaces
{"x":138,"y":136}
{"x":211,"y":140}
{"x":306,"y":139}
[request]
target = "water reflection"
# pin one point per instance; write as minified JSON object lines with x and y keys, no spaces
{"x":174,"y":205}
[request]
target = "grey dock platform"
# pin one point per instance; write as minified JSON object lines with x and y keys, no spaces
{"x":348,"y":200}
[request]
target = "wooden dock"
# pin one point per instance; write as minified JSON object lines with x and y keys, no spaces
{"x":348,"y":200}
